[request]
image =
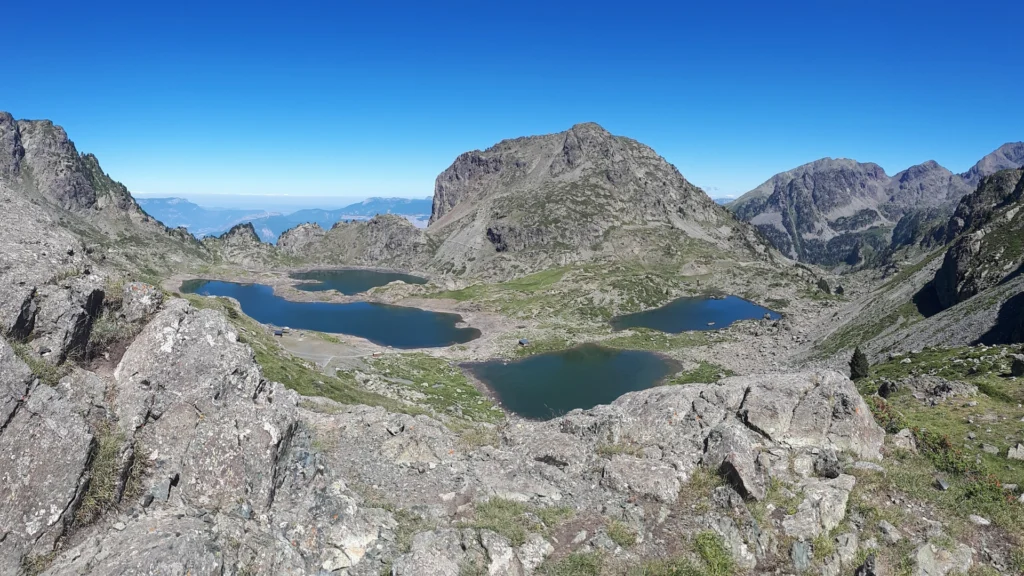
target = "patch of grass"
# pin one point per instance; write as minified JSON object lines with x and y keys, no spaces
{"x":621,"y":534}
{"x":705,"y":372}
{"x":717,"y":559}
{"x":541,"y":346}
{"x":647,"y":339}
{"x":974,"y":483}
{"x":696,"y":493}
{"x":409,"y":525}
{"x":506,"y":517}
{"x":515,"y":520}
{"x":446,"y":390}
{"x":537,"y":281}
{"x":579,"y":564}
{"x":474,"y":435}
{"x":104,"y":474}
{"x":327,"y":337}
{"x":474,"y":292}
{"x":609,"y":450}
{"x":66,"y":274}
{"x":47,"y":373}
{"x":778,"y":496}
{"x":109,"y":329}
{"x":823,"y":546}
{"x":35,"y":564}
{"x":866,"y":327}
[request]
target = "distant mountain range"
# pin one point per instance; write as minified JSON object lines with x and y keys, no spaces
{"x":202,"y":221}
{"x":834,"y":211}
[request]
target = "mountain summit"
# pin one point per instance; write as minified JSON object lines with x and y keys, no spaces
{"x":579,"y":194}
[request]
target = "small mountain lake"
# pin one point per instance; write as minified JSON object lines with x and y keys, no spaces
{"x":694,"y":314}
{"x":551,"y":384}
{"x":397,"y":326}
{"x":350,"y":281}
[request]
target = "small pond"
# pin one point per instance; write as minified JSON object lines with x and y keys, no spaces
{"x":350,"y":281}
{"x":694,"y":314}
{"x":397,"y":326}
{"x":547,"y":385}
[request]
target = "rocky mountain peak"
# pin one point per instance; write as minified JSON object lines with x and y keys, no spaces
{"x":38,"y":155}
{"x":244,"y":232}
{"x":1009,"y":155}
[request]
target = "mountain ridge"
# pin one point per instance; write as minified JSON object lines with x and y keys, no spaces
{"x":836,"y":210}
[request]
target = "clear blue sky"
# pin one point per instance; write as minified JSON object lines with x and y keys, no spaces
{"x":358,"y":98}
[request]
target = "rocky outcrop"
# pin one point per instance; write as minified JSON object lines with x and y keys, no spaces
{"x":299,"y":239}
{"x":242,"y":246}
{"x":384,"y":240}
{"x":985,"y":230}
{"x":49,"y":164}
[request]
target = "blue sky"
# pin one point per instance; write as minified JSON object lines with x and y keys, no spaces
{"x":357,"y":99}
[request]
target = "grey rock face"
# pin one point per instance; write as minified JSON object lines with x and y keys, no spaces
{"x":904,"y":439}
{"x":140,"y":301}
{"x":66,"y":312}
{"x":647,"y":478}
{"x":823,"y":508}
{"x":298,"y":239}
{"x":40,"y":155}
{"x":187,"y":377}
{"x":982,"y":254}
{"x":1016,"y":452}
{"x":933,"y":560}
{"x":45,"y":447}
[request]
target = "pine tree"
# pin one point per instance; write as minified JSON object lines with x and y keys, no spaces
{"x":859,"y":367}
{"x":823,"y":286}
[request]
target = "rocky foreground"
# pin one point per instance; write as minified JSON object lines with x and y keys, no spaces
{"x":185,"y":459}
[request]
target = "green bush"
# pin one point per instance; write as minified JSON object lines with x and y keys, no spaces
{"x":859,"y":366}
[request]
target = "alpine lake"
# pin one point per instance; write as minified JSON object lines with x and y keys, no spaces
{"x":540,"y":386}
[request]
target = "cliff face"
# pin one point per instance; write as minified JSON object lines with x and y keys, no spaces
{"x":987,"y":235}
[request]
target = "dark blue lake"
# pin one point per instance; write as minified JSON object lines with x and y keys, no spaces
{"x":397,"y":326}
{"x":350,"y":281}
{"x":547,"y":385}
{"x":694,"y":314}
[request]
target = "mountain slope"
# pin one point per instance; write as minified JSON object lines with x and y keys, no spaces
{"x":968,"y":291}
{"x":836,"y":210}
{"x":1010,"y":155}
